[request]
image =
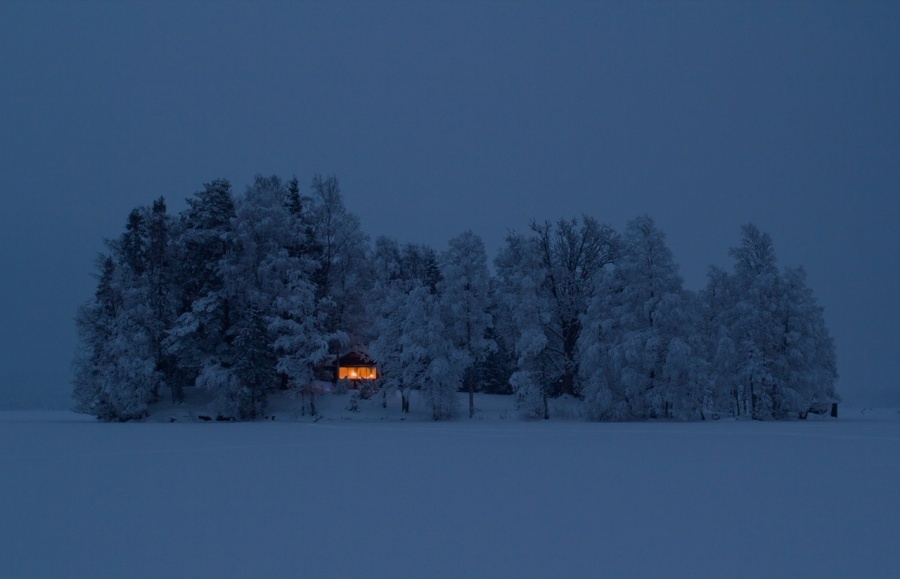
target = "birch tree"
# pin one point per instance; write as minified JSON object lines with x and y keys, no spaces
{"x":464,"y":295}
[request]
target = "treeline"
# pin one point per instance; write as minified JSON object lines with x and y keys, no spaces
{"x":245,"y":294}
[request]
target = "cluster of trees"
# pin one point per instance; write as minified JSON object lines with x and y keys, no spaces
{"x":244,"y":294}
{"x":236,"y":295}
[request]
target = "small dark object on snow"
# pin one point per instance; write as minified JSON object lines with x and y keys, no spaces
{"x":204,"y":418}
{"x":221,"y":418}
{"x":354,"y":402}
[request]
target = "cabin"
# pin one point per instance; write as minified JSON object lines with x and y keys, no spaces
{"x":355,"y":366}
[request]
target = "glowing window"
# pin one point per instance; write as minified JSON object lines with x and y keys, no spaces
{"x":357,"y":373}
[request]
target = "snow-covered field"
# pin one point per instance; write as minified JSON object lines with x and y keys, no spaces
{"x":369,"y":495}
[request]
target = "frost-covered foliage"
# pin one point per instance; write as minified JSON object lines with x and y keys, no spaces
{"x":639,"y":353}
{"x":387,"y":346}
{"x":340,"y":249}
{"x":243,"y":294}
{"x":236,"y":296}
{"x":546,"y":281}
{"x":115,"y":365}
{"x":810,"y":360}
{"x":403,"y":277}
{"x":464,"y":300}
{"x":430,"y":319}
{"x":429,"y":357}
{"x":119,"y":366}
{"x":771,"y":354}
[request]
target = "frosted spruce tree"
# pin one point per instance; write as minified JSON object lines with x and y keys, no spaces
{"x":161,"y":297}
{"x":275,"y":326}
{"x":121,"y":365}
{"x":253,"y":270}
{"x":116,"y":376}
{"x":200,"y":338}
{"x":237,"y":296}
{"x":297,"y":322}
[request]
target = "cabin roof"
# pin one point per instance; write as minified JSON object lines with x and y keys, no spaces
{"x":356,"y":359}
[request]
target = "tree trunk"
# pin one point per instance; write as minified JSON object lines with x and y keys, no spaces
{"x":571,"y":328}
{"x":404,"y":402}
{"x":754,"y":403}
{"x":546,"y":408}
{"x":471,"y":397}
{"x":177,"y":391}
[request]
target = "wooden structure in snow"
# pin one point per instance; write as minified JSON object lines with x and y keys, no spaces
{"x":355,"y":366}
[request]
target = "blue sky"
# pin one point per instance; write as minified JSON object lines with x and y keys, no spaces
{"x":441,"y":117}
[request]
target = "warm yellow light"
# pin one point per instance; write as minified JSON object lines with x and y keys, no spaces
{"x":357,"y":373}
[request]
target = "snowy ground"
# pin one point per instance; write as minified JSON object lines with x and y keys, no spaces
{"x":369,"y":495}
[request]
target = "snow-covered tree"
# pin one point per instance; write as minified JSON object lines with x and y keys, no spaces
{"x":384,"y":300}
{"x":198,"y":340}
{"x":639,"y":355}
{"x":242,"y":294}
{"x":464,"y":295}
{"x":115,"y":368}
{"x":160,"y":294}
{"x":773,"y":354}
{"x":717,"y":306}
{"x":527,"y":312}
{"x":144,"y":274}
{"x":340,"y":249}
{"x":809,"y":359}
{"x":385,"y":346}
{"x":546,"y":281}
{"x":571,"y":254}
{"x":420,"y":262}
{"x":254,"y":272}
{"x":120,"y":364}
{"x":429,"y":358}
{"x":235,"y":296}
{"x":757,"y":329}
{"x":255,"y":315}
{"x":202,"y":239}
{"x":413,"y":340}
{"x":494,"y":373}
{"x":276,"y":322}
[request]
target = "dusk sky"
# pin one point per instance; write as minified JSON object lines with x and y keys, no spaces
{"x":442,"y":117}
